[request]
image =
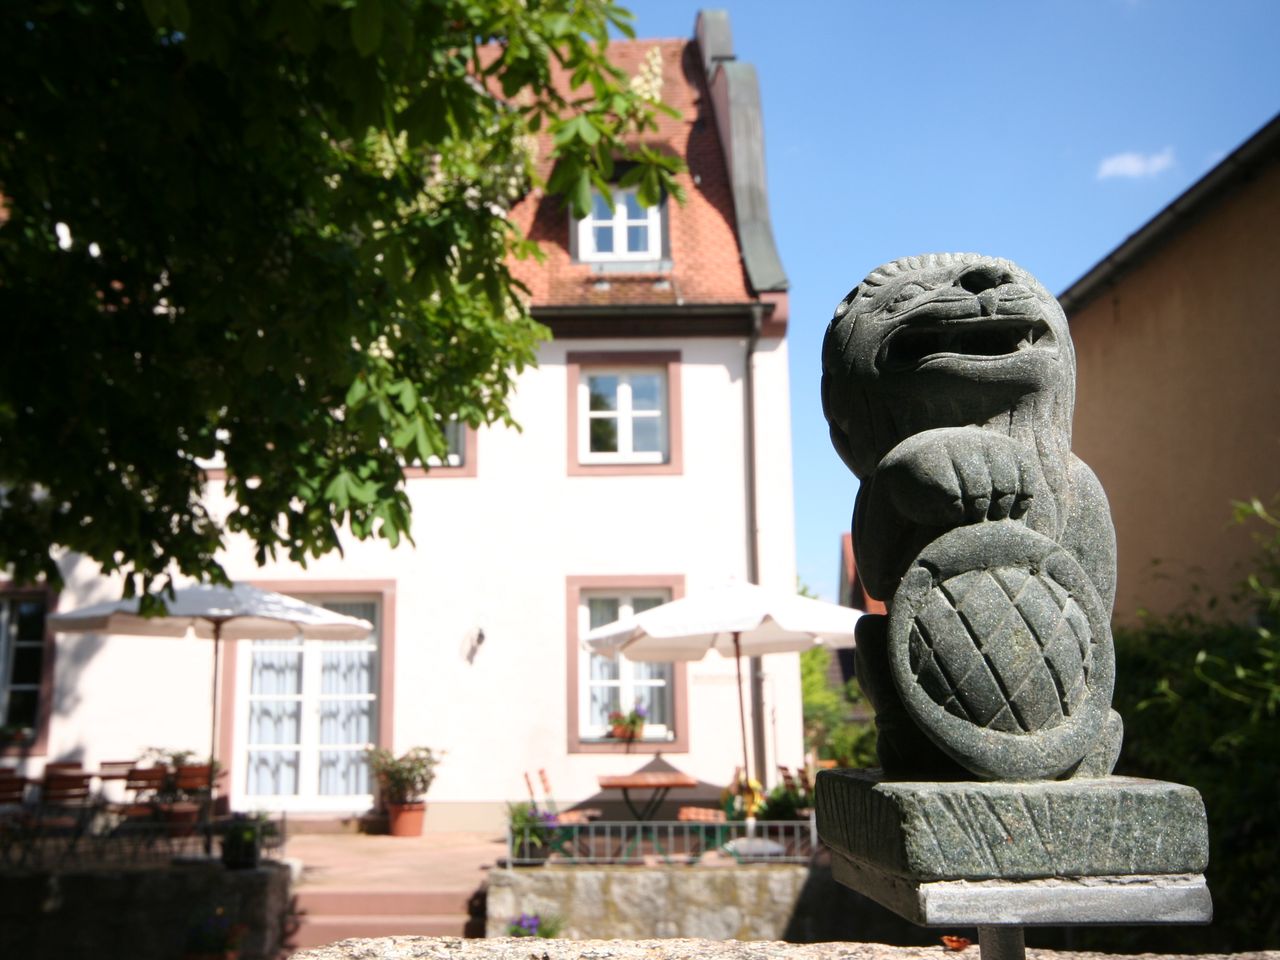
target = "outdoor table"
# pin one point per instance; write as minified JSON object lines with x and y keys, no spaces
{"x":659,"y":782}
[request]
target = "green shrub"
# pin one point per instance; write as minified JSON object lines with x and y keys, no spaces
{"x":406,"y":778}
{"x":853,"y":744}
{"x":783,"y":804}
{"x":1201,"y":705}
{"x":833,"y":726}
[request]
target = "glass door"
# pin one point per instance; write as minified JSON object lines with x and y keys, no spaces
{"x":311,"y":710}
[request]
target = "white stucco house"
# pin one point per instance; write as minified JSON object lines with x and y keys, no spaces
{"x":654,"y":460}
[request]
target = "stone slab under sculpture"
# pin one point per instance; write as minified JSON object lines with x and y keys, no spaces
{"x":948,"y":382}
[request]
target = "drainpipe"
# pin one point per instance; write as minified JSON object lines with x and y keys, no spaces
{"x":753,"y":542}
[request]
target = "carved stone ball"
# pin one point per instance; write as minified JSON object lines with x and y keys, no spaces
{"x":1000,"y":648}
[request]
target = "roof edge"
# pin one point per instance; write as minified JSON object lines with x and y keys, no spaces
{"x":736,"y":308}
{"x":1235,"y":167}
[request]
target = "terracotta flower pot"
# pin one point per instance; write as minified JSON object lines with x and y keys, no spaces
{"x":405,"y":819}
{"x":620,"y":731}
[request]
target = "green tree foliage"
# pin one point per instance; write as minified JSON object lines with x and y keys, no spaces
{"x":834,"y":726}
{"x":824,"y":708}
{"x":273,"y":232}
{"x":1199,"y":698}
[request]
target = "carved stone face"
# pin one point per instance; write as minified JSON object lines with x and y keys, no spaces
{"x":945,"y":340}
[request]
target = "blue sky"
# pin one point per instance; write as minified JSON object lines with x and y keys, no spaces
{"x":1045,"y":132}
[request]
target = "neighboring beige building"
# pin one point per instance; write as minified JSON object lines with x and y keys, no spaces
{"x":1177,"y":337}
{"x":654,"y":461}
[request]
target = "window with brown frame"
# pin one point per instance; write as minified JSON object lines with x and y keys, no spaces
{"x":624,"y":412}
{"x":598,"y":685}
{"x":26,"y":657}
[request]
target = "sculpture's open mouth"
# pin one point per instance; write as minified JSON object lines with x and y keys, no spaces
{"x":917,"y":342}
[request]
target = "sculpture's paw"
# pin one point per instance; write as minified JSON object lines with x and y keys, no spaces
{"x":959,"y":475}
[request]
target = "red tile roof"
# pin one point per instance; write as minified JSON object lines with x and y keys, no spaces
{"x":706,"y":266}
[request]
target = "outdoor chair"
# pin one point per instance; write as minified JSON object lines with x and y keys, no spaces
{"x":798,"y":786}
{"x":66,"y":791}
{"x":141,"y":787}
{"x":137,"y":830}
{"x":111,"y":776}
{"x":66,"y":809}
{"x":15,"y":817}
{"x":583,"y":815}
{"x":802,"y":781}
{"x":192,"y":783}
{"x":192,"y":778}
{"x":13,"y":794}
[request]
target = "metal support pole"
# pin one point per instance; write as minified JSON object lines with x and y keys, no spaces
{"x":742,"y":707}
{"x":213,"y":744}
{"x":1002,"y":943}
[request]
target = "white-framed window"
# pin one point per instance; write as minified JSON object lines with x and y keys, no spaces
{"x":311,"y":709}
{"x":22,"y":651}
{"x":625,"y":231}
{"x":623,"y":415}
{"x":609,"y":684}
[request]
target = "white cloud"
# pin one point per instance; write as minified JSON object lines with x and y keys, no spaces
{"x":1135,"y":165}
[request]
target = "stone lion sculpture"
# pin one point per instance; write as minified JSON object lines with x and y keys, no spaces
{"x":949,"y":383}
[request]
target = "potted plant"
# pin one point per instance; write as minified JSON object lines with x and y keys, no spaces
{"x":627,"y":726}
{"x":402,"y":782}
{"x":242,"y":840}
{"x":185,"y":789}
{"x":15,"y":734}
{"x":531,"y":832}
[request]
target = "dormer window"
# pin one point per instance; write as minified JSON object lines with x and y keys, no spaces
{"x":625,"y":231}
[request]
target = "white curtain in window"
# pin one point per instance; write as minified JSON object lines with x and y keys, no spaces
{"x":312,"y":712}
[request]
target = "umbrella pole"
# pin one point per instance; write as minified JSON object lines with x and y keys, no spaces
{"x":213,"y":743}
{"x":742,"y":707}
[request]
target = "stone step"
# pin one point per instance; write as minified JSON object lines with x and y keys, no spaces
{"x":315,"y":931}
{"x":360,"y":902}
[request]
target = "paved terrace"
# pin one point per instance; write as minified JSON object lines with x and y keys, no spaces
{"x":356,"y":885}
{"x":434,"y":861}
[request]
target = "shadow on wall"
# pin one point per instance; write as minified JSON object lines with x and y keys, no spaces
{"x":74,"y":653}
{"x":827,"y":910}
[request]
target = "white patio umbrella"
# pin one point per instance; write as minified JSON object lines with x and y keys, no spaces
{"x":238,"y":612}
{"x":735,"y":619}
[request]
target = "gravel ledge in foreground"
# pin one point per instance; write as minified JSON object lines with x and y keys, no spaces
{"x":526,"y":948}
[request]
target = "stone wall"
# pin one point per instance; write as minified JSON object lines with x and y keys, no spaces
{"x":634,"y":903}
{"x":139,"y":914}
{"x":452,"y":948}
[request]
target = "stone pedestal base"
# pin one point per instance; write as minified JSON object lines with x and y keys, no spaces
{"x":1110,"y":851}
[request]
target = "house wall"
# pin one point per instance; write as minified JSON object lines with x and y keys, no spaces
{"x":494,"y":552}
{"x":1178,"y":405}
